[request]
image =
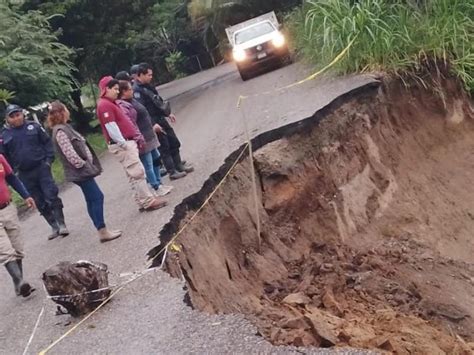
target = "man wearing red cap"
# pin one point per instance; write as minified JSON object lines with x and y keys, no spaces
{"x":123,"y":139}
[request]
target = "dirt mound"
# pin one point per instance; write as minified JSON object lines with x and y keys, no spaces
{"x":367,"y":235}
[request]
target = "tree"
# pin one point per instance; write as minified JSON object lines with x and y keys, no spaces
{"x":99,"y":31}
{"x":34,"y":66}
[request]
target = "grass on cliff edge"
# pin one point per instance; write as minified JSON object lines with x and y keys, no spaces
{"x":395,"y":36}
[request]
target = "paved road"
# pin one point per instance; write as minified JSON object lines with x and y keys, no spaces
{"x":149,"y":315}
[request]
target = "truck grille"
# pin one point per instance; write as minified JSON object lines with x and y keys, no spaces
{"x":264,"y":47}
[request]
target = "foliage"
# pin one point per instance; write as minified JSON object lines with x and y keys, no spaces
{"x":6,"y":96}
{"x":97,"y":142}
{"x":390,"y":35}
{"x":111,"y":35}
{"x":176,"y":63}
{"x":33,"y":64}
{"x":97,"y":30}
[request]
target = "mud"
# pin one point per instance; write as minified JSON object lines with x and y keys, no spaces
{"x":367,"y":215}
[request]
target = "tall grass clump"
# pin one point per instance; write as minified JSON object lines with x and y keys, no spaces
{"x":389,"y":35}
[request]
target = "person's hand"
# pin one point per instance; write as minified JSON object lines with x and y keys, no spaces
{"x":172,"y":118}
{"x":30,"y":203}
{"x":157,"y":128}
{"x":123,"y":145}
{"x":141,"y":144}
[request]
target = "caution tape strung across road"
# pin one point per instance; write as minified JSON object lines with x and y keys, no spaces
{"x":171,"y":244}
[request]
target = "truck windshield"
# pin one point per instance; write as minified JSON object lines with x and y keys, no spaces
{"x":253,"y":32}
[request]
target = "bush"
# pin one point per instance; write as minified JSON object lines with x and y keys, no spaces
{"x":390,"y":35}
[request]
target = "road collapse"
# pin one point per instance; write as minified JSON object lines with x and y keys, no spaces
{"x":367,"y":212}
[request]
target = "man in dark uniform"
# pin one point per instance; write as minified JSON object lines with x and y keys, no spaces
{"x":29,"y":150}
{"x":147,"y":95}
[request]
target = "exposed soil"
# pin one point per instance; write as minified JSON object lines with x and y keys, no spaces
{"x":367,"y":227}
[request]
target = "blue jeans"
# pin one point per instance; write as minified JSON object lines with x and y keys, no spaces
{"x":95,"y":201}
{"x":152,"y":171}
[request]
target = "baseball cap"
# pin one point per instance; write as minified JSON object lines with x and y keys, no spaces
{"x":134,"y":69}
{"x":12,"y":109}
{"x":104,"y":82}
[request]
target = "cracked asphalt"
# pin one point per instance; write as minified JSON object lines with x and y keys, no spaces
{"x":149,"y":315}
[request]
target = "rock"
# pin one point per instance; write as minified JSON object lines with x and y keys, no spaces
{"x":275,"y":335}
{"x":331,"y":304}
{"x":385,"y":344}
{"x":295,"y":323}
{"x":297,"y":299}
{"x":344,"y":337}
{"x":323,"y":330}
{"x":326,"y":267}
{"x":304,"y":340}
{"x":79,"y":287}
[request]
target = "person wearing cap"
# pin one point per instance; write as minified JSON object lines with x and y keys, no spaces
{"x":11,"y":244}
{"x":29,"y":150}
{"x":124,"y":139}
{"x":170,"y":145}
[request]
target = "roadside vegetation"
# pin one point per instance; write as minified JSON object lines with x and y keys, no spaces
{"x":395,"y":36}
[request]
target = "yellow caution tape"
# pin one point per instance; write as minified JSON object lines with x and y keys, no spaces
{"x":176,"y":248}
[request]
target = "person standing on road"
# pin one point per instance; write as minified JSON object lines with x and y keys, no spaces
{"x":81,"y":166}
{"x":11,"y":244}
{"x":124,"y":139}
{"x":30,"y":151}
{"x":149,"y":151}
{"x":170,"y":145}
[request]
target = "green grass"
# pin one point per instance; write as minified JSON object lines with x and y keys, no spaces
{"x":395,"y":36}
{"x":96,"y":140}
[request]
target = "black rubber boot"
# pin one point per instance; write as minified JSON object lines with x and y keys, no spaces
{"x":180,"y":166}
{"x":49,"y":217}
{"x":59,"y":216}
{"x":21,"y":288}
{"x":170,"y":167}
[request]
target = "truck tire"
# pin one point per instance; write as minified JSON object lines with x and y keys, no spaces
{"x":287,"y":59}
{"x":244,"y":75}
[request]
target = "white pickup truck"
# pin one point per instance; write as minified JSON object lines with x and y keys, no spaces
{"x":258,"y":43}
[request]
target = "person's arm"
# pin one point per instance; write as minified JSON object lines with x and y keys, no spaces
{"x":107,"y":115}
{"x":16,"y":183}
{"x":18,"y":186}
{"x":47,"y":143}
{"x":114,"y":132}
{"x":68,"y":150}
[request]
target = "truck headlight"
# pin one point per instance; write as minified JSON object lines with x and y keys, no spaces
{"x":239,"y":55}
{"x":279,"y":40}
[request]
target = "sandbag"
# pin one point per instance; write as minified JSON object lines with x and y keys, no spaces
{"x":79,"y":287}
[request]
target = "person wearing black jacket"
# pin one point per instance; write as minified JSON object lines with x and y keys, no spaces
{"x":30,"y":152}
{"x":160,"y":112}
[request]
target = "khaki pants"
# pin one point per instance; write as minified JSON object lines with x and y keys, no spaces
{"x":11,"y":245}
{"x":128,"y":157}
